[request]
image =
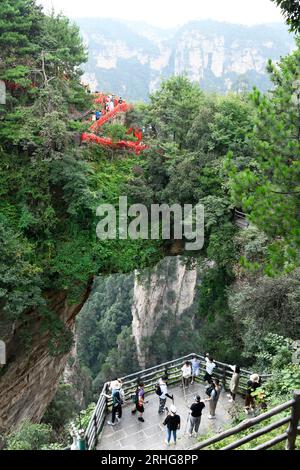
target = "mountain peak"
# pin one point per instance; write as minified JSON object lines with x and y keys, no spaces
{"x":132,"y":58}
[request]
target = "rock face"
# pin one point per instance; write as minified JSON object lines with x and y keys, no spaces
{"x":169,"y":290}
{"x":152,"y":304}
{"x":131,"y":59}
{"x":30,"y":378}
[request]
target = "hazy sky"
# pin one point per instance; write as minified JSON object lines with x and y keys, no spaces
{"x":167,"y":13}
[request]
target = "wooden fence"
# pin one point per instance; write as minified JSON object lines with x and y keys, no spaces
{"x":240,"y":219}
{"x":290,"y":435}
{"x":150,"y":378}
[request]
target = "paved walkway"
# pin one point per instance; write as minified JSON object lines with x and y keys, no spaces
{"x":130,"y":434}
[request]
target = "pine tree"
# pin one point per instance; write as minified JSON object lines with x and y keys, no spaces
{"x":291,"y":11}
{"x":269,"y":191}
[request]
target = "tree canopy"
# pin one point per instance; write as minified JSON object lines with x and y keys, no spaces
{"x":269,"y":191}
{"x":291,"y":12}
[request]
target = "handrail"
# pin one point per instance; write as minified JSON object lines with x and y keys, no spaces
{"x":150,"y":377}
{"x":248,"y":423}
{"x":240,"y":214}
{"x":258,"y":433}
{"x":241,"y":219}
{"x":290,"y":435}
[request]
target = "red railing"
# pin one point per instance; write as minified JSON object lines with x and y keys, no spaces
{"x":136,"y":146}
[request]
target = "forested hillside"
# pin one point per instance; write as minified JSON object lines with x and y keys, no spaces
{"x":209,"y":150}
{"x":50,"y":188}
{"x":237,"y":151}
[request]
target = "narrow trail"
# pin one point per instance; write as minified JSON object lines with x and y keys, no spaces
{"x":137,"y":147}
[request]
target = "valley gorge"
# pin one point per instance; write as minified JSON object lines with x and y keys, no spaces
{"x":220,"y":57}
{"x":104,"y":109}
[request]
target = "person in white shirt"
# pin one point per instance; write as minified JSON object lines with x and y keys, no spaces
{"x":186,"y":370}
{"x":117,"y":395}
{"x":111,"y":105}
{"x":162,"y":392}
{"x":209,"y":369}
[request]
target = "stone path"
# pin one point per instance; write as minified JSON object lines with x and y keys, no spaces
{"x":130,"y":434}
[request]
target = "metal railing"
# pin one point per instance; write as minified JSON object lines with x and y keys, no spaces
{"x":240,"y":219}
{"x":290,"y":435}
{"x":150,"y":377}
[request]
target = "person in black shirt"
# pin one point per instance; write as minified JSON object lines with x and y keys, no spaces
{"x":195,"y":415}
{"x":172,"y":422}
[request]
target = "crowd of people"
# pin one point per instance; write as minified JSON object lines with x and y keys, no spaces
{"x":190,"y":371}
{"x":107,"y":103}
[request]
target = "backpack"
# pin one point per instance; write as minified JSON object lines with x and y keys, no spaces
{"x":135,"y":396}
{"x":158,"y":390}
{"x":116,"y":398}
{"x":122,"y":395}
{"x":209,"y":390}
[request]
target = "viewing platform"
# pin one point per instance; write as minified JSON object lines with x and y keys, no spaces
{"x":130,"y":434}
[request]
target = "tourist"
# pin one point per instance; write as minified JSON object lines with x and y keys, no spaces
{"x":162,"y":392}
{"x":98,"y":115}
{"x":213,"y":391}
{"x":253,"y":384}
{"x":195,"y":368}
{"x":209,"y":368}
{"x":117,"y":396}
{"x":120,"y":100}
{"x":186,"y":373}
{"x":139,"y":402}
{"x":172,"y":422}
{"x":234,"y":383}
{"x":111,"y":105}
{"x":195,"y":416}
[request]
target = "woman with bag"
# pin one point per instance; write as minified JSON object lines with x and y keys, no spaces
{"x":214,"y":392}
{"x":117,"y":397}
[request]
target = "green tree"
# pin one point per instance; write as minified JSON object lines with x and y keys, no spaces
{"x":117,"y":132}
{"x":20,"y":31}
{"x":266,"y":305}
{"x":291,"y":12}
{"x":269,"y":190}
{"x":62,"y":409}
{"x":30,"y":436}
{"x":173,"y":108}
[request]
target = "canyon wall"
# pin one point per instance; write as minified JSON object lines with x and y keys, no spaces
{"x":131,"y":59}
{"x":31,"y":375}
{"x":168,"y":291}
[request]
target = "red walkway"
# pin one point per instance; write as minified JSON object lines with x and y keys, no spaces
{"x":136,"y":146}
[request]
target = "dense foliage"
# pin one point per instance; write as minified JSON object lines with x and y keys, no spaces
{"x":50,"y":187}
{"x":31,"y":436}
{"x":268,"y":189}
{"x":104,"y":321}
{"x":235,"y":151}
